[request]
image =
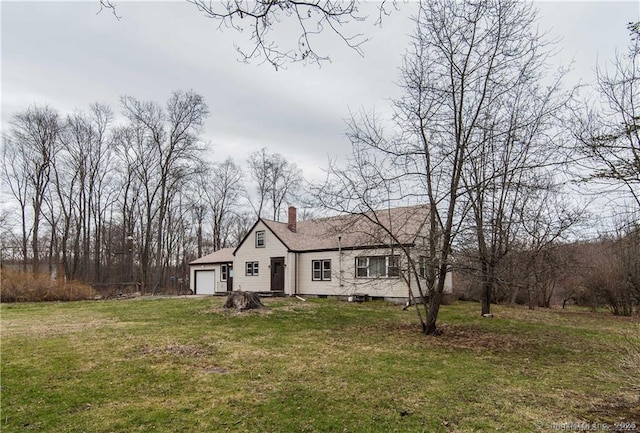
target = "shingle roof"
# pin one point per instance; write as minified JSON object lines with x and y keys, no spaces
{"x":355,"y":230}
{"x":225,"y":255}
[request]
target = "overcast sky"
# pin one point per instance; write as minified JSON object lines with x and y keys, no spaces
{"x":66,"y":55}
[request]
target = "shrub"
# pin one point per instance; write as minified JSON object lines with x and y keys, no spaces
{"x":26,"y":287}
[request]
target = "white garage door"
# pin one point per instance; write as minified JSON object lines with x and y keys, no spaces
{"x":205,"y":282}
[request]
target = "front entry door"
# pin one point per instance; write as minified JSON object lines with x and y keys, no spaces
{"x":229,"y":278}
{"x":277,"y":274}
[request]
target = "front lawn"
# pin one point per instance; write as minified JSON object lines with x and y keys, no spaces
{"x":184,"y":365}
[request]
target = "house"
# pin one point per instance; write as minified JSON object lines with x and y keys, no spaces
{"x":212,"y":273}
{"x":360,"y":254}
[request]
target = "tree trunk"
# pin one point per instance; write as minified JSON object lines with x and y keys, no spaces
{"x":243,"y":301}
{"x":487,"y":290}
{"x":429,"y":328}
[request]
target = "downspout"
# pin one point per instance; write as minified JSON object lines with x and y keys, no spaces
{"x":295,"y":274}
{"x":410,"y":273}
{"x":340,"y":261}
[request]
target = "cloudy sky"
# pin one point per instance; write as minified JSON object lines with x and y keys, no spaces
{"x":67,"y":55}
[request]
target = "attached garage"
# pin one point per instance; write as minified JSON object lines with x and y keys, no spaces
{"x":205,"y":282}
{"x":212,"y":274}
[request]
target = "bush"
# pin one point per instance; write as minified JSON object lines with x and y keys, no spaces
{"x":26,"y":287}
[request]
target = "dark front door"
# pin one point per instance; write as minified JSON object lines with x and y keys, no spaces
{"x":277,"y":274}
{"x":229,"y":278}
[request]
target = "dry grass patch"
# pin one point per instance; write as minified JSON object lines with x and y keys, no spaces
{"x":454,"y":336}
{"x":48,"y":326}
{"x":572,"y":317}
{"x":181,"y":350}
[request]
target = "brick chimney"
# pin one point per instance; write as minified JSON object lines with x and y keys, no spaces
{"x":292,"y":224}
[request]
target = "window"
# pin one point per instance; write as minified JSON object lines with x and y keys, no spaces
{"x":260,"y":239}
{"x":393,"y":266}
{"x":321,"y":270}
{"x":251,"y":269}
{"x":224,"y":272}
{"x":377,"y":266}
{"x":423,"y":266}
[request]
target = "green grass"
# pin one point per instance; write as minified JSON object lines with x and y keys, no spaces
{"x":184,"y":365}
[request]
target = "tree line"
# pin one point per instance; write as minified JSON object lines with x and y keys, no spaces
{"x":105,"y":203}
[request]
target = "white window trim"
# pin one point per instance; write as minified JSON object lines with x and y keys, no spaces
{"x":386,"y":267}
{"x":322,"y":270}
{"x":251,"y":269}
{"x":260,"y":239}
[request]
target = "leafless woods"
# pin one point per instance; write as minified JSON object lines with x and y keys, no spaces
{"x":129,"y":203}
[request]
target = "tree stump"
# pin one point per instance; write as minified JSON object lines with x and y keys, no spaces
{"x":242,"y":301}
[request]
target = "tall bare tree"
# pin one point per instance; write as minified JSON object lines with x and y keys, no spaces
{"x":467,"y":63}
{"x":514,"y":152}
{"x":223,"y":192}
{"x":15,"y":173}
{"x":277,"y":181}
{"x":130,"y":185}
{"x":33,"y":142}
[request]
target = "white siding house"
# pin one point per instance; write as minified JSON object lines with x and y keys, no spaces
{"x":337,"y":256}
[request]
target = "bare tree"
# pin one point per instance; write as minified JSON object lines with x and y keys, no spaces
{"x":33,"y":144}
{"x":223,"y":192}
{"x":10,"y":242}
{"x":466,"y":64}
{"x":513,"y":155}
{"x":15,"y":172}
{"x":177,"y":235}
{"x":239,"y":225}
{"x":64,"y":194}
{"x":199,"y":210}
{"x":259,"y":169}
{"x":128,"y":180}
{"x":610,"y":133}
{"x":276,"y":179}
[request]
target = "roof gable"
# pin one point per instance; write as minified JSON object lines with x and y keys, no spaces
{"x":253,"y":227}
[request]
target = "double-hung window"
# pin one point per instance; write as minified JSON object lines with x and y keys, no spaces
{"x":260,"y":239}
{"x":321,"y":270}
{"x":224,"y":272}
{"x":423,"y":266}
{"x":377,"y":266}
{"x":251,"y":269}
